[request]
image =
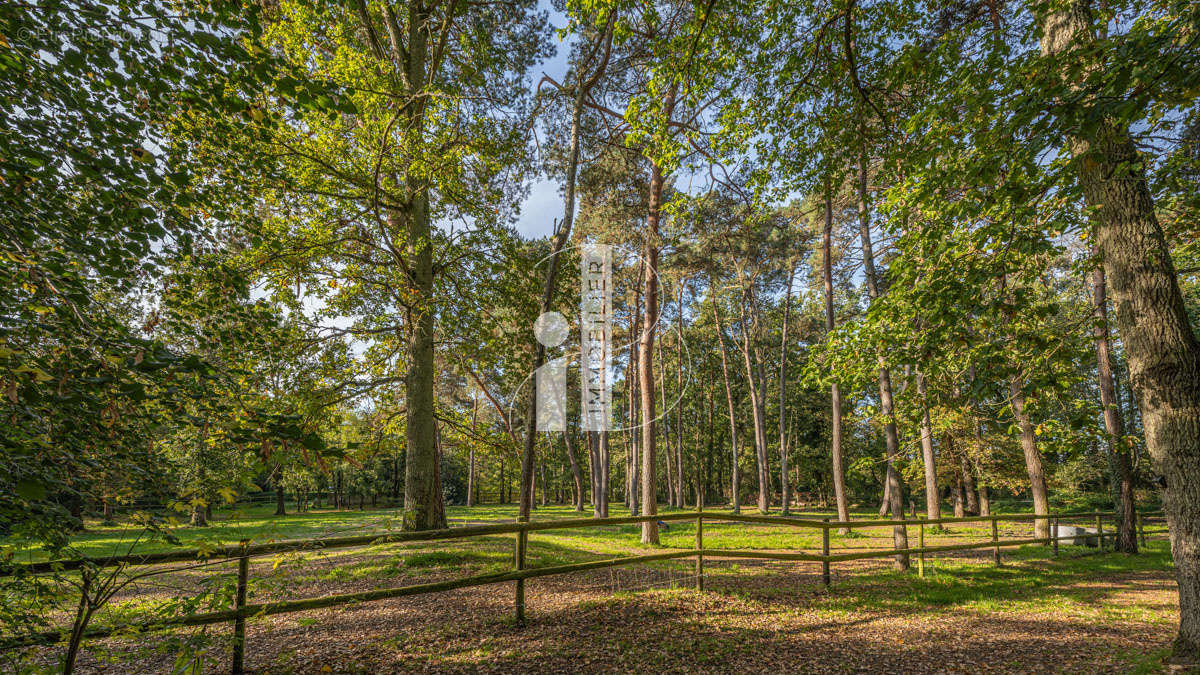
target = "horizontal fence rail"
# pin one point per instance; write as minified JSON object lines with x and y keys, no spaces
{"x":242,"y":553}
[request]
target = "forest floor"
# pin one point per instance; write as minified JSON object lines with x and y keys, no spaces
{"x":1079,"y":612}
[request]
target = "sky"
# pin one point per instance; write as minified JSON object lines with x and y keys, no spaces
{"x":544,"y":203}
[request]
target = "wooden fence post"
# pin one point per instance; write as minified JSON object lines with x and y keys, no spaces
{"x":825,"y":552}
{"x":519,"y":564}
{"x":239,"y":623}
{"x":921,"y":545}
{"x":699,"y":547}
{"x":1099,"y":532}
{"x":1056,"y":533}
{"x":996,"y":540}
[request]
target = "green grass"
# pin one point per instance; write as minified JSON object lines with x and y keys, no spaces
{"x":256,"y":523}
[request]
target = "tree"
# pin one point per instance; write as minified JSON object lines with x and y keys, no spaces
{"x":1160,"y":344}
{"x":354,"y":198}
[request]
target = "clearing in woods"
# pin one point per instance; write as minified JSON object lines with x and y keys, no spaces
{"x":1082,"y":611}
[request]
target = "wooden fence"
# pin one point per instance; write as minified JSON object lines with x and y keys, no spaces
{"x":243,"y":552}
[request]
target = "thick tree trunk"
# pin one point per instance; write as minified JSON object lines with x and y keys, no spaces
{"x":1033,"y":460}
{"x":735,"y":490}
{"x":1160,"y":345}
{"x":279,"y":500}
{"x":1114,"y":425}
{"x":835,"y":394}
{"x":423,"y":504}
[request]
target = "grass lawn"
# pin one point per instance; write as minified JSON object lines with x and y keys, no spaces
{"x":748,"y":605}
{"x":257,"y":523}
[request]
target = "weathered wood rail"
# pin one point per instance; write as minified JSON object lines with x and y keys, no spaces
{"x":243,"y":552}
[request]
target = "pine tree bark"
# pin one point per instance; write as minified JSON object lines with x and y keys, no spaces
{"x":633,"y":473}
{"x":757,"y":407}
{"x":646,"y":364}
{"x":576,"y":472}
{"x":666,"y":429}
{"x":604,"y":473}
{"x":735,"y":493}
{"x":679,"y":474}
{"x":785,"y":492}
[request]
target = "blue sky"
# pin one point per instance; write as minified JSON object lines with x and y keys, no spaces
{"x":544,"y":203}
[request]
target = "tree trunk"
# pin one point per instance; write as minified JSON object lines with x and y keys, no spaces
{"x":666,"y":431}
{"x":593,"y":445}
{"x":646,"y":364}
{"x":679,"y":474}
{"x":423,"y":503}
{"x":735,"y":481}
{"x":633,"y":463}
{"x":549,"y":283}
{"x":956,"y":495}
{"x":985,"y":502}
{"x":785,"y":492}
{"x":1114,"y":425}
{"x":886,"y":406}
{"x":198,"y":519}
{"x":279,"y":500}
{"x":933,"y":507}
{"x":471,"y":453}
{"x":757,"y":410}
{"x":604,"y":473}
{"x":576,"y":472}
{"x":968,"y":485}
{"x":835,"y":395}
{"x":1033,"y":460}
{"x":1160,"y":345}
{"x":542,"y":470}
